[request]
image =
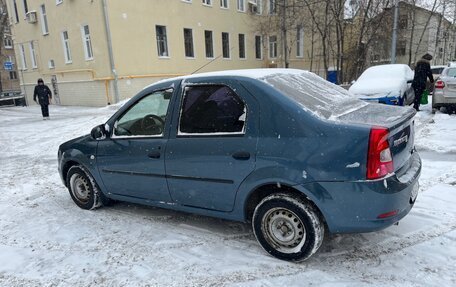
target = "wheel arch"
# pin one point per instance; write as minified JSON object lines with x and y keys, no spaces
{"x":260,"y":192}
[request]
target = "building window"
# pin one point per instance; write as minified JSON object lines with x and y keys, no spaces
{"x":32,"y":55}
{"x":401,"y":47}
{"x":207,"y":2}
{"x":258,"y":47}
{"x":25,"y":7}
{"x":241,"y":5}
{"x":241,"y":46}
{"x":257,"y":7}
{"x":8,"y":42}
{"x":15,"y":11}
{"x":272,"y":47}
{"x":226,"y":45}
{"x":300,"y":42}
{"x":44,"y":22}
{"x":51,"y":64}
{"x":57,"y":2}
{"x":272,"y":7}
{"x":224,"y":4}
{"x":87,"y":40}
{"x":403,"y":23}
{"x":209,"y":44}
{"x":188,"y":43}
{"x":24,"y":61}
{"x":162,"y":42}
{"x":13,"y":75}
{"x":66,"y":47}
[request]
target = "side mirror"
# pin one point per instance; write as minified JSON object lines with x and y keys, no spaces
{"x":99,"y":132}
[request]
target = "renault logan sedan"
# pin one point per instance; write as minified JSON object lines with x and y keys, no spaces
{"x":290,"y":152}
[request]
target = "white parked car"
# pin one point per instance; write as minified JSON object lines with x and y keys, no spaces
{"x":445,"y":90}
{"x":387,"y":84}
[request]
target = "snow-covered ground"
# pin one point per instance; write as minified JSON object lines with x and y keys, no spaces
{"x":46,"y":240}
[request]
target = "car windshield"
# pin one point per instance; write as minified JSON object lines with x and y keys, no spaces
{"x":315,"y":94}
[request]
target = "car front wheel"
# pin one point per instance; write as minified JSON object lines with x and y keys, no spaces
{"x":82,"y":187}
{"x":288,"y":227}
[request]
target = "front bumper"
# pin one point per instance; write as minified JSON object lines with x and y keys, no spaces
{"x":350,"y":207}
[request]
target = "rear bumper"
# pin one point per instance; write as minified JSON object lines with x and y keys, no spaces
{"x":439,"y":99}
{"x":350,"y":207}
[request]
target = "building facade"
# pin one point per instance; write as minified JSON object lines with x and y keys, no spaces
{"x":89,"y":52}
{"x":9,"y":75}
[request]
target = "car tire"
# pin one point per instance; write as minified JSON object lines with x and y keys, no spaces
{"x":288,"y":228}
{"x":83,"y":189}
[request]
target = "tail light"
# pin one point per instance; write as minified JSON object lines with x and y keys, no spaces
{"x":379,"y":159}
{"x":439,"y":84}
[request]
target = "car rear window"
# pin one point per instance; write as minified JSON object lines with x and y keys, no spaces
{"x":313,"y":93}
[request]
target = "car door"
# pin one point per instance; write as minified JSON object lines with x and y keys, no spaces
{"x":213,"y":147}
{"x":131,"y":162}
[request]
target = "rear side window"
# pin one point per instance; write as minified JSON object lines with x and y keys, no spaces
{"x":451,"y":72}
{"x":212,"y":109}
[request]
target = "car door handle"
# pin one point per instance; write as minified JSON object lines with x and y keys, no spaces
{"x":154,"y":154}
{"x":241,"y":155}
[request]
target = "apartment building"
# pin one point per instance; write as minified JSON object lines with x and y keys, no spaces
{"x":97,"y":52}
{"x":9,"y":77}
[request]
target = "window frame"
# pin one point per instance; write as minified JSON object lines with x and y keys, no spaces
{"x":181,"y":134}
{"x":300,"y":42}
{"x":146,"y":94}
{"x":33,"y":55}
{"x":8,"y":43}
{"x":260,"y":47}
{"x":274,"y":48}
{"x":211,"y":44}
{"x":16,"y":12}
{"x":58,"y":2}
{"x":164,"y":40}
{"x":87,"y":39}
{"x":228,"y":48}
{"x":23,"y":58}
{"x":44,"y":21}
{"x":66,"y":47}
{"x":239,"y":4}
{"x":189,"y":45}
{"x":207,"y":3}
{"x":224,"y":4}
{"x":243,"y":50}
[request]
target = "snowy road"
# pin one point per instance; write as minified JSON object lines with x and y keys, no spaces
{"x":46,"y":240}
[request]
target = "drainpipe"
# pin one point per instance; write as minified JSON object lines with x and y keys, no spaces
{"x":111,"y":54}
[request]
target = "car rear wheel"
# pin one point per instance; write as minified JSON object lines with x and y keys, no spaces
{"x":83,"y":188}
{"x":287,"y":227}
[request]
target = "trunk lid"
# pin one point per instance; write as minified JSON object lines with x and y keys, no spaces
{"x":398,"y":120}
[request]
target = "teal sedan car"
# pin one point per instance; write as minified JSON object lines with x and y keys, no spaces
{"x":283,"y":149}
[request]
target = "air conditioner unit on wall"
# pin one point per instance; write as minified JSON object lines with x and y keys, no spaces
{"x":31,"y":17}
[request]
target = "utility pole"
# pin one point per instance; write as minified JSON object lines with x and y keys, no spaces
{"x":394,"y":37}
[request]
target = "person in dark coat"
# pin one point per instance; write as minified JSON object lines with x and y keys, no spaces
{"x":44,"y":98}
{"x":422,"y":72}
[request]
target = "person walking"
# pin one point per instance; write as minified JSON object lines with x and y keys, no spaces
{"x":422,"y":72}
{"x":44,"y":95}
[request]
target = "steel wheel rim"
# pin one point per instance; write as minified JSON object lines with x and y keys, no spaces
{"x":284,"y":230}
{"x":80,"y":188}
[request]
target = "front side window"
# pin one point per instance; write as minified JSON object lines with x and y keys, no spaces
{"x":162,"y":42}
{"x":226,"y":45}
{"x":146,"y":117}
{"x":211,"y":109}
{"x":87,"y":40}
{"x":188,"y":43}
